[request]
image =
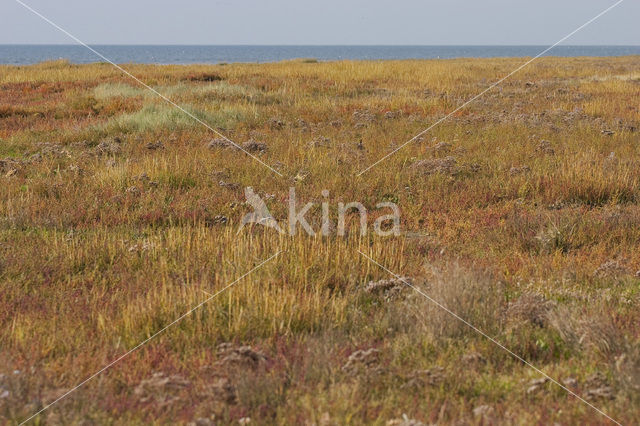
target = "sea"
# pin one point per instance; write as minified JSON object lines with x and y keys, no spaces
{"x":175,"y":54}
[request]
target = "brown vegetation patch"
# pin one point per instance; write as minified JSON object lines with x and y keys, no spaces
{"x":9,"y":111}
{"x":9,"y":167}
{"x":254,"y":146}
{"x":153,"y":146}
{"x":233,"y":355}
{"x":219,"y":143}
{"x":203,"y":77}
{"x":519,"y":170}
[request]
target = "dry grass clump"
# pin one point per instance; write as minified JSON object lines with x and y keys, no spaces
{"x":110,"y":90}
{"x":474,"y":359}
{"x":442,"y":147}
{"x":363,"y":117}
{"x":161,"y":389}
{"x":223,"y":390}
{"x":556,"y":237}
{"x":424,"y":378}
{"x":447,"y":166}
{"x":109,"y":147}
{"x":592,"y":331}
{"x":473,"y":297}
{"x":610,"y":269}
{"x":519,"y":170}
{"x":545,"y":147}
{"x":248,"y":146}
{"x":598,"y":388}
{"x":239,"y":356}
{"x":219,"y":143}
{"x":389,"y":288}
{"x":363,"y":362}
{"x":9,"y":167}
{"x":404,"y":421}
{"x":154,"y":118}
{"x":530,"y":307}
{"x":628,"y":369}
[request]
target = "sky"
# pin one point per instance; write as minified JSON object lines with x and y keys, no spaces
{"x":301,"y":22}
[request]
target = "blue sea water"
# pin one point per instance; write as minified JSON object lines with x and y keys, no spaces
{"x":174,"y":54}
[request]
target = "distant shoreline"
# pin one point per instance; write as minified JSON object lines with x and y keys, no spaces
{"x":26,"y":54}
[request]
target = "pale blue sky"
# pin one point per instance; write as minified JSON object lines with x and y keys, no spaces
{"x":423,"y":22}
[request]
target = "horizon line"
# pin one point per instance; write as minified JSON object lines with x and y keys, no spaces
{"x":314,"y":45}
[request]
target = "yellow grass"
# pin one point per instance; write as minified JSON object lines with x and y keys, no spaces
{"x":531,"y":234}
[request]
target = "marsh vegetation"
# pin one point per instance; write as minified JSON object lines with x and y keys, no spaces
{"x":119,"y":213}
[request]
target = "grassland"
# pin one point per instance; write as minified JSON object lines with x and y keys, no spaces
{"x":520,"y":213}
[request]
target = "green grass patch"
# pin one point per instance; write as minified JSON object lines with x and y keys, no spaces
{"x":153,"y":117}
